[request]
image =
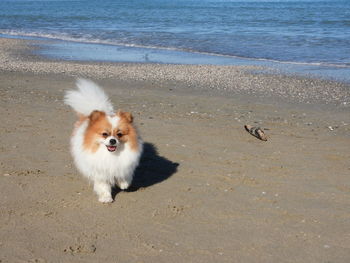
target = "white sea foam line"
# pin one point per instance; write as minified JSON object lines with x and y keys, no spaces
{"x":64,"y":37}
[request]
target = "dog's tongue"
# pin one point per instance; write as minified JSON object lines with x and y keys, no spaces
{"x":111,"y":148}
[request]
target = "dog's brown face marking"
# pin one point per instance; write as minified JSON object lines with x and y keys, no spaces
{"x":100,"y":128}
{"x":125,"y":130}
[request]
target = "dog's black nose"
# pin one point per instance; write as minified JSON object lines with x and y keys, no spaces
{"x":112,"y":141}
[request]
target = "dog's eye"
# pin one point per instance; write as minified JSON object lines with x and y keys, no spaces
{"x":119,"y":134}
{"x":105,"y":134}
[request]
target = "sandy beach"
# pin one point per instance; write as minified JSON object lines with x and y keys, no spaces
{"x":205,"y":190}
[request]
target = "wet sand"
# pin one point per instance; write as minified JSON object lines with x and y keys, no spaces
{"x":205,"y":191}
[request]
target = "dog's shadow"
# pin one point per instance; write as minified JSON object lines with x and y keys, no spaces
{"x":152,"y":170}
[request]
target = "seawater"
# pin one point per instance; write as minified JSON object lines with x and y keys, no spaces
{"x":312,"y":34}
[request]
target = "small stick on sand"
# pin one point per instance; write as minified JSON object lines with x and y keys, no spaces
{"x":256,"y":132}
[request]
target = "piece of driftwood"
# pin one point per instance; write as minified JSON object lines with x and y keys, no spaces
{"x":256,"y":132}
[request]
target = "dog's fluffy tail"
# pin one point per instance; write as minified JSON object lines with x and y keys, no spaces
{"x":88,"y":97}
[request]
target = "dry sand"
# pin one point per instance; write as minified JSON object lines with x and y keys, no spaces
{"x":205,"y":191}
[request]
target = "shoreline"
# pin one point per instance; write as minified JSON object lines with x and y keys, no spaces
{"x":70,"y":50}
{"x":205,"y":190}
{"x":17,"y":55}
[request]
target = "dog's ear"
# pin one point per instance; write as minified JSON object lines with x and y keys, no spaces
{"x":125,"y":115}
{"x":95,"y":115}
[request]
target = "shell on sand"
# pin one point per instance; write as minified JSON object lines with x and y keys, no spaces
{"x":256,"y":132}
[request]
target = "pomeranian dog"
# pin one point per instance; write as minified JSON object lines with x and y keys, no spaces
{"x":105,"y":145}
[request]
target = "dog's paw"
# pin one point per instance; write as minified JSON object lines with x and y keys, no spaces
{"x":105,"y":199}
{"x":124,"y":185}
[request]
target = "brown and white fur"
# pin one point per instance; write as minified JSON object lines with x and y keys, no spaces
{"x":105,"y":145}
